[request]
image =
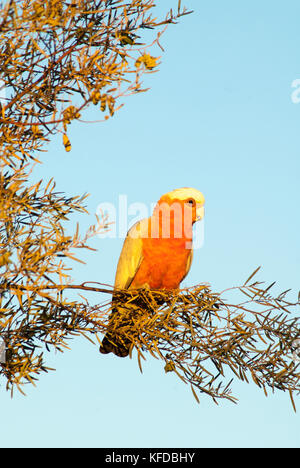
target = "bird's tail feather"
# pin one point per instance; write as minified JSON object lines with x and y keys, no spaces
{"x":116,"y":339}
{"x":113,"y":344}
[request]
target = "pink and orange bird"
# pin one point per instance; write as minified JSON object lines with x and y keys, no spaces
{"x":157,"y":252}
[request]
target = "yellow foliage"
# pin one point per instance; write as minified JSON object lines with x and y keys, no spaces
{"x":66,"y":142}
{"x":95,"y":96}
{"x":170,"y":366}
{"x":4,"y":259}
{"x":56,"y":59}
{"x":147,"y":60}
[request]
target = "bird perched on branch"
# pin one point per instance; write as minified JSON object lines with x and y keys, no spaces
{"x":157,"y":252}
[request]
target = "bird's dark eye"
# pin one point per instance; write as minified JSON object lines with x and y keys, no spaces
{"x":191,"y":202}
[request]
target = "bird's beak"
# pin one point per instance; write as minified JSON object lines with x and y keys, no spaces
{"x":199,"y":212}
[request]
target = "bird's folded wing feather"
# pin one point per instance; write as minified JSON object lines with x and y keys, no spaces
{"x":131,"y":255}
{"x":188,"y":263}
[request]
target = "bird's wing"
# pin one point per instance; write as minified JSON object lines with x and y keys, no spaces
{"x":188,"y":264}
{"x":131,"y":255}
{"x":130,"y":259}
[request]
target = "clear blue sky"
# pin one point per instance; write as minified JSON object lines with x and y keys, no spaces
{"x":219,"y":117}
